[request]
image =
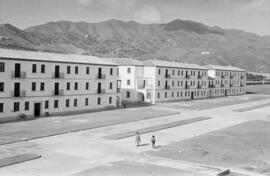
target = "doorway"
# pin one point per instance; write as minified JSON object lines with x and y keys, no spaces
{"x":226,"y":92}
{"x":192,"y":95}
{"x":37,"y":109}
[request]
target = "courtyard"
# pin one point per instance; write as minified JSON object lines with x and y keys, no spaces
{"x":202,"y":137}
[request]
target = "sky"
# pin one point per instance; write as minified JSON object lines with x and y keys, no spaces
{"x":249,"y":15}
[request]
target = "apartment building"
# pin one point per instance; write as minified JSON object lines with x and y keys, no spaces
{"x":226,"y":80}
{"x":40,"y":84}
{"x":134,"y":84}
{"x":174,"y":81}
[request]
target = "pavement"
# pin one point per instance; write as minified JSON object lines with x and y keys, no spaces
{"x":88,"y":152}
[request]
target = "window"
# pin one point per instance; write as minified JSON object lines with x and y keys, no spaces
{"x":111,"y":71}
{"x":42,"y":85}
{"x":98,"y":100}
{"x":87,"y":85}
{"x":68,"y":69}
{"x":2,"y":87}
{"x":47,"y":104}
{"x":33,"y":86}
{"x":172,"y":83}
{"x":172,"y":94}
{"x":76,"y":86}
{"x":173,"y":72}
{"x":158,"y":83}
{"x":86,"y":101}
{"x":110,"y":100}
{"x":76,"y":70}
{"x":75,"y":102}
{"x":34,"y":68}
{"x":67,"y":103}
{"x":159,"y":71}
{"x":128,"y":94}
{"x":2,"y":67}
{"x":42,"y":68}
{"x":128,"y":82}
{"x":55,"y":103}
{"x":16,"y":106}
{"x":26,"y":106}
{"x":68,"y":85}
{"x":158,"y":95}
{"x":87,"y":70}
{"x":111,"y":85}
{"x":128,"y":69}
{"x":1,"y":107}
{"x":165,"y":95}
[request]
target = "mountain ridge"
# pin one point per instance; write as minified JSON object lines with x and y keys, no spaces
{"x":179,"y":40}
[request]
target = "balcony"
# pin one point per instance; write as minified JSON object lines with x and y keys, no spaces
{"x":200,"y":76}
{"x":118,"y":90}
{"x":231,"y":76}
{"x":242,"y":77}
{"x":231,"y":85}
{"x":187,"y":76}
{"x":58,"y":75}
{"x":58,"y":92}
{"x":222,"y":85}
{"x":212,"y":86}
{"x":199,"y":86}
{"x":100,"y":91}
{"x":167,"y":87}
{"x":187,"y":87}
{"x":101,"y":76}
{"x":242,"y":85}
{"x":222,"y":76}
{"x":18,"y":93}
{"x":15,"y":74}
{"x":167,"y":76}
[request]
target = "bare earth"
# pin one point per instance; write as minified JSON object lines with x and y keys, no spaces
{"x":246,"y":146}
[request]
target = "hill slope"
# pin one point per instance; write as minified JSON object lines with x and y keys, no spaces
{"x":184,"y":41}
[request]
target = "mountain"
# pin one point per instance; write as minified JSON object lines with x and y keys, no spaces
{"x":179,"y":40}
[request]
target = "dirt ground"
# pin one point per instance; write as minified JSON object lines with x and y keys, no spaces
{"x":245,"y":146}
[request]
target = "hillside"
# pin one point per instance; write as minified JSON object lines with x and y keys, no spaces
{"x":184,"y":41}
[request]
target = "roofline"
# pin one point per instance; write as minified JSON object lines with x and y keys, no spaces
{"x":181,"y":67}
{"x":84,"y":63}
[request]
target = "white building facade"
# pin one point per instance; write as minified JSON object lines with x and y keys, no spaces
{"x":36,"y":84}
{"x":226,"y":80}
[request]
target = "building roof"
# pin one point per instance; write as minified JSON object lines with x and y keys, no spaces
{"x":126,"y":61}
{"x":173,"y":64}
{"x":52,"y":57}
{"x":227,"y":68}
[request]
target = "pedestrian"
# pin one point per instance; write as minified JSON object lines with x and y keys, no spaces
{"x":124,"y":105}
{"x":137,"y":139}
{"x":153,"y":141}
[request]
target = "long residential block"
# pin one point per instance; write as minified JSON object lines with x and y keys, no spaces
{"x":36,"y":84}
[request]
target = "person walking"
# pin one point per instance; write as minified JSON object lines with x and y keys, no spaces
{"x":137,"y":139}
{"x":153,"y":141}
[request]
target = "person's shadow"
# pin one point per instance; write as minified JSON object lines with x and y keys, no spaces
{"x":157,"y":146}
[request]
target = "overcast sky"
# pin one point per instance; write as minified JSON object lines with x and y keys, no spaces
{"x":249,"y":15}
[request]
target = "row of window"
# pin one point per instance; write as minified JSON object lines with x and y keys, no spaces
{"x":42,"y":86}
{"x":181,"y":72}
{"x":220,"y":73}
{"x":199,"y":93}
{"x":68,"y":69}
{"x":192,"y":83}
{"x":16,"y":105}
